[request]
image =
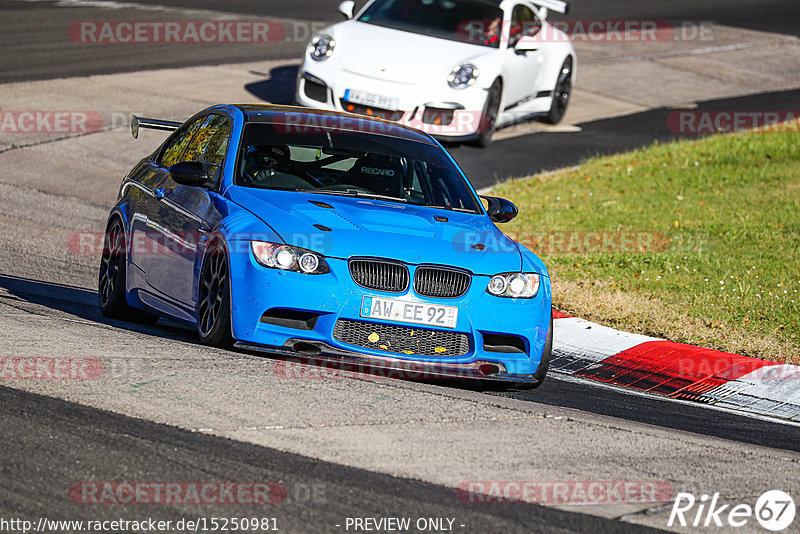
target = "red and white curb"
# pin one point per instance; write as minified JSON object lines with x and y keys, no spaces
{"x":589,"y":350}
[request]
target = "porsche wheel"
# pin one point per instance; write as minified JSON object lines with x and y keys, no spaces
{"x":111,"y":282}
{"x":214,"y":300}
{"x":490,"y":113}
{"x":561,"y":94}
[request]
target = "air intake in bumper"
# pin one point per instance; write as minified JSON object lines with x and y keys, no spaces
{"x":401,"y":339}
{"x":300,"y":320}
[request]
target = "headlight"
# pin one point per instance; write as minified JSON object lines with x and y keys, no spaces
{"x":514,"y":285}
{"x":321,"y":47}
{"x":463,"y":76}
{"x":288,"y":258}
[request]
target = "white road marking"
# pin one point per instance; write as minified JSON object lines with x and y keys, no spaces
{"x":556,"y":375}
{"x":591,"y":342}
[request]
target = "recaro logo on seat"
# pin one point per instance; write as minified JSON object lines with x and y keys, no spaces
{"x":379,"y":172}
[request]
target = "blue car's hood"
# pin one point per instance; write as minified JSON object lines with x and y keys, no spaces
{"x":364,"y":227}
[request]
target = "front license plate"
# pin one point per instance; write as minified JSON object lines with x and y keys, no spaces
{"x":370,"y":99}
{"x":406,"y":311}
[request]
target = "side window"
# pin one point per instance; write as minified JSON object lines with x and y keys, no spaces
{"x":210,"y":142}
{"x":523,"y":22}
{"x":173,"y":153}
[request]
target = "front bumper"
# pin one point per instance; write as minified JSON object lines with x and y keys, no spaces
{"x":338,"y":360}
{"x":434,"y":108}
{"x":328,"y":298}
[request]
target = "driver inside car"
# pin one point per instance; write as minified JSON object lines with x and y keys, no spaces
{"x":266,"y":164}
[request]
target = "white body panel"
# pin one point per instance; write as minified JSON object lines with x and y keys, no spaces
{"x":411,"y":70}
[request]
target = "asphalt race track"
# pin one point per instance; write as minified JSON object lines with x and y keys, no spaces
{"x":376,"y":447}
{"x":150,"y":451}
{"x":33,"y":40}
{"x":49,"y":444}
{"x":33,"y":32}
{"x":560,"y":391}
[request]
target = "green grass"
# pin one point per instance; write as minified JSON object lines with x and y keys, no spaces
{"x":723,"y":267}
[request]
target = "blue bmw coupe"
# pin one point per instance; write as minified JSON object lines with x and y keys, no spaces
{"x":329,"y":236}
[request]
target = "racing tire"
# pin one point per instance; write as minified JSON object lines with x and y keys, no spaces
{"x":561,"y":94}
{"x":111,"y":280}
{"x":489,"y":117}
{"x":214,"y":299}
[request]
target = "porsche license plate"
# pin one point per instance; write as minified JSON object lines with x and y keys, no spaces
{"x":406,"y":311}
{"x":370,"y":99}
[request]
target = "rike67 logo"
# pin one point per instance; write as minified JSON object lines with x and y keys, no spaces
{"x":774,"y":510}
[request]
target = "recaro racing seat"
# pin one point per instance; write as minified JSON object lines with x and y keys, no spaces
{"x":379,"y":173}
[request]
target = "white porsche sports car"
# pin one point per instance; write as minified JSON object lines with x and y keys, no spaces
{"x":456,"y":69}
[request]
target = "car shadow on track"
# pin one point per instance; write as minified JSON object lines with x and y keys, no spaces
{"x":79,"y":302}
{"x":82,"y":303}
{"x":584,"y":396}
{"x":278,"y":88}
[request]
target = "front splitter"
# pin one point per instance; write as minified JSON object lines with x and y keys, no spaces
{"x":322,"y":354}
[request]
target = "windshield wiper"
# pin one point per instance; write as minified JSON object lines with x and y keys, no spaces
{"x":347,"y":193}
{"x":352,"y":193}
{"x":376,"y":196}
{"x":451,"y":208}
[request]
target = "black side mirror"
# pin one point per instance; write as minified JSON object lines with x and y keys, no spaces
{"x":500,"y":210}
{"x":521,"y":46}
{"x":192,"y":173}
{"x":520,"y":51}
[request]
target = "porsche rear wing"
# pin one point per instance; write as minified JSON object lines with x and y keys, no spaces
{"x":553,"y":5}
{"x":153,"y":124}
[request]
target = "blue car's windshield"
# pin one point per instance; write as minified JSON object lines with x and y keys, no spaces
{"x":352,"y":164}
{"x":472,"y":21}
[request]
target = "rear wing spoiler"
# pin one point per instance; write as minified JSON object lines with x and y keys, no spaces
{"x":553,"y":5}
{"x":153,"y":124}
